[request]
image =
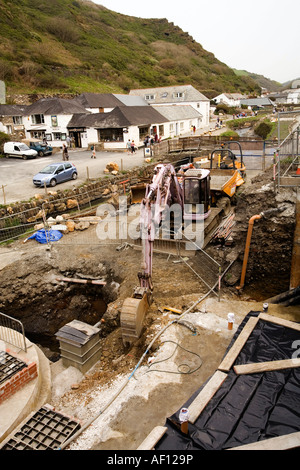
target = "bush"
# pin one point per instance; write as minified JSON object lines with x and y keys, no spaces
{"x":263,"y":129}
{"x":3,"y":138}
{"x":230,"y":134}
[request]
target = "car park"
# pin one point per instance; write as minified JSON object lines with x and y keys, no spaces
{"x":18,"y":149}
{"x":42,"y":148}
{"x":55,"y":173}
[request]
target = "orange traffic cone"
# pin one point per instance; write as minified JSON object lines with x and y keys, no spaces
{"x":298,"y":171}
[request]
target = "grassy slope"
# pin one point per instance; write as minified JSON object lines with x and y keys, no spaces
{"x":264,"y":82}
{"x":75,"y":45}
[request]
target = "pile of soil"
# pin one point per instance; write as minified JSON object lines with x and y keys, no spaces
{"x":269,"y":263}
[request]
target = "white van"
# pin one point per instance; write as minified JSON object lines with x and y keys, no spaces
{"x":18,"y":149}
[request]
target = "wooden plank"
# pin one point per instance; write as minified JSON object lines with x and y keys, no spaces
{"x":233,"y":353}
{"x":257,"y":367}
{"x":279,"y":321}
{"x":286,"y":442}
{"x":200,"y":402}
{"x":152,"y":439}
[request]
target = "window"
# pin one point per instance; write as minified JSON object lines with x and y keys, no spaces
{"x":68,"y":166}
{"x":59,"y":136}
{"x":37,"y":135}
{"x":17,"y":120}
{"x":149,"y":97}
{"x":197,"y":192}
{"x":182,"y":126}
{"x":110,"y":135}
{"x":38,"y":119}
{"x":171,"y":127}
{"x":178,"y":95}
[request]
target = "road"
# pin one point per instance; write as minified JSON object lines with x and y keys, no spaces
{"x":16,"y":174}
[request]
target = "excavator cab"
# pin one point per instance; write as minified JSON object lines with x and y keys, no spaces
{"x":196,"y":194}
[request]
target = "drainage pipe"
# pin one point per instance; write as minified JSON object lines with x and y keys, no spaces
{"x":247,"y":249}
{"x":248,"y":240}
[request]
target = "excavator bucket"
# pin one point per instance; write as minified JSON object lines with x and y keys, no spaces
{"x":132,"y":318}
{"x":137,"y":193}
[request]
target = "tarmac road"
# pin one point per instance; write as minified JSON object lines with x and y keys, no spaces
{"x":16,"y":174}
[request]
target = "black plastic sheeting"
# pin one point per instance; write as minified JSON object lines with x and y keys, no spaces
{"x":246,"y":408}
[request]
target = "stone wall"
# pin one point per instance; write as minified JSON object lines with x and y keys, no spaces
{"x":56,"y":202}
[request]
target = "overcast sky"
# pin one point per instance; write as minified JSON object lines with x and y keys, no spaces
{"x":260,"y":36}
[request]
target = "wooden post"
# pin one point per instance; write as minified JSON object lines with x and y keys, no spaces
{"x":4,"y":197}
{"x":87,"y":173}
{"x":45,"y":187}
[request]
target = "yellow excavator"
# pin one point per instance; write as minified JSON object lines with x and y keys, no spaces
{"x":191,"y":192}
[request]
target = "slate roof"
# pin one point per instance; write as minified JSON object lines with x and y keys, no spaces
{"x":55,"y":106}
{"x":257,"y":102}
{"x":178,"y":113}
{"x":12,"y":110}
{"x":119,"y":118}
{"x":128,"y":100}
{"x":166,"y":94}
{"x":98,"y":100}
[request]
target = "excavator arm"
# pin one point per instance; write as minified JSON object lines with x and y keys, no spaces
{"x":163,"y":191}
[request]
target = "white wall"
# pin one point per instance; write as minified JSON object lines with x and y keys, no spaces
{"x":62,"y":122}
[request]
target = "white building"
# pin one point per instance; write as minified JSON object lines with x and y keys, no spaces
{"x":230,"y":99}
{"x":181,"y":119}
{"x":293,"y":96}
{"x":177,"y":95}
{"x":114,"y":129}
{"x":48,"y":118}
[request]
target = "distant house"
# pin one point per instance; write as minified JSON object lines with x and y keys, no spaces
{"x":293,"y":96}
{"x":230,"y":99}
{"x":12,"y":119}
{"x":177,"y":95}
{"x":48,"y":118}
{"x":107,"y":102}
{"x":181,"y":119}
{"x":115,"y":128}
{"x":257,"y":103}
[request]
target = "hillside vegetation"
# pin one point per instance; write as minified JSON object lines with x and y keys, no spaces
{"x":72,"y":46}
{"x":270,"y":85}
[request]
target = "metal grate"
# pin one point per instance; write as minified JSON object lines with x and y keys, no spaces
{"x":45,"y":430}
{"x":9,"y":366}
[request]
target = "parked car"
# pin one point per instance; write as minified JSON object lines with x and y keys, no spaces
{"x":18,"y":149}
{"x":40,"y":147}
{"x":55,"y":173}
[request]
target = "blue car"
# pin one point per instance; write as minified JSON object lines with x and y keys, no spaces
{"x":55,"y":173}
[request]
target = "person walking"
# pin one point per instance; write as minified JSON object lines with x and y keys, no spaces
{"x":128,"y":145}
{"x":65,"y":153}
{"x":93,"y":151}
{"x":132,"y":147}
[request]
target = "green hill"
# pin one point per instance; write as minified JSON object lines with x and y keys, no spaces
{"x":72,"y":46}
{"x":263,"y":82}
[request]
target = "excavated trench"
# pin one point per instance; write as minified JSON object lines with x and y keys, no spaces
{"x":32,"y":289}
{"x":34,"y":293}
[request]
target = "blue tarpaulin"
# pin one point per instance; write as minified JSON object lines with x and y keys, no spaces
{"x":46,"y":236}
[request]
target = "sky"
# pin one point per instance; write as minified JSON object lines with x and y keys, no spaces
{"x":260,"y":36}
